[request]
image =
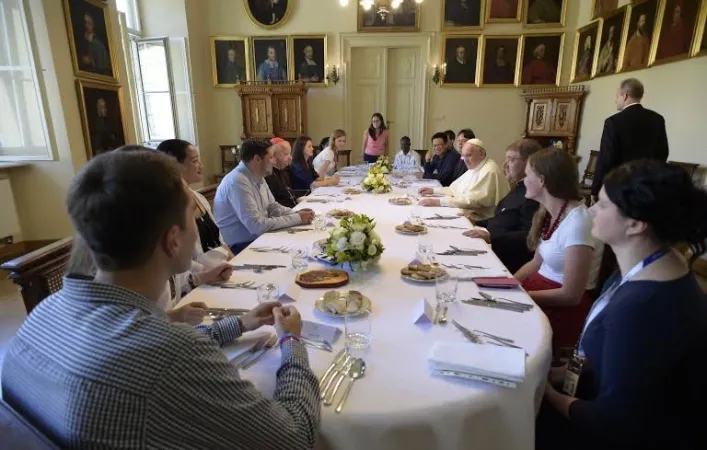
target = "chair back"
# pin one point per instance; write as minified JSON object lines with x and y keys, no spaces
{"x":690,"y":168}
{"x":422,"y":152}
{"x":209,"y":193}
{"x":591,"y":167}
{"x":17,"y":433}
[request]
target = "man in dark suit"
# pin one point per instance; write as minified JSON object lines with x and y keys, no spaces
{"x":507,"y":231}
{"x":441,"y":166}
{"x":633,"y":133}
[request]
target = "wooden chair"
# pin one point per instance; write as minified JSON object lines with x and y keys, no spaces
{"x":422,"y":152}
{"x":343,"y":153}
{"x":209,"y":192}
{"x":690,"y":168}
{"x":18,"y":433}
{"x":585,"y":186}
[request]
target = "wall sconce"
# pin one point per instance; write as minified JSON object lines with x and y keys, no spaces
{"x":333,"y":74}
{"x":438,"y":73}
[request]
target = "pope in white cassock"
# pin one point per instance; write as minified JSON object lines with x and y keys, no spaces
{"x":479,"y":189}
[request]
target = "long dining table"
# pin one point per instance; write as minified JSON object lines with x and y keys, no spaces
{"x":399,"y":404}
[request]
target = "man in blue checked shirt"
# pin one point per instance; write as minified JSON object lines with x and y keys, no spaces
{"x":97,"y":365}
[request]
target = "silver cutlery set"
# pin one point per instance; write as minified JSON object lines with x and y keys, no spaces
{"x":482,"y":337}
{"x":445,"y":227}
{"x":489,"y":301}
{"x":291,"y":230}
{"x":257,"y":351}
{"x":220,"y":313}
{"x":281,"y":249}
{"x":344,"y":366}
{"x":250,"y":285}
{"x":257,"y":268}
{"x":462,"y":266}
{"x":456,"y":251}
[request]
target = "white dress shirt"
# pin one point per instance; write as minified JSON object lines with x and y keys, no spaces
{"x":325,"y":155}
{"x":403,"y":161}
{"x":479,"y":189}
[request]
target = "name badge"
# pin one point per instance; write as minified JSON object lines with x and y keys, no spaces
{"x":574,"y":371}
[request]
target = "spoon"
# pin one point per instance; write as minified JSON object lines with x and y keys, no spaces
{"x":357,"y":370}
{"x":443,"y":319}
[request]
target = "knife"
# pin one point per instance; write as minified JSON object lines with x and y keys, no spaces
{"x":337,"y":359}
{"x":488,"y":304}
{"x":491,"y":298}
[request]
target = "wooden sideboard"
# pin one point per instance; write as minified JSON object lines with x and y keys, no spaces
{"x":553,"y":114}
{"x":273,"y":109}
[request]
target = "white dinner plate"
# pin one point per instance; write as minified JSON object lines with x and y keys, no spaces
{"x":365,"y":306}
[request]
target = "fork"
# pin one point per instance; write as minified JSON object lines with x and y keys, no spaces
{"x":270,"y":343}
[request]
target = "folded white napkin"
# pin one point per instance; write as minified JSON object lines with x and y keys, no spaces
{"x":504,"y":363}
{"x":213,"y":257}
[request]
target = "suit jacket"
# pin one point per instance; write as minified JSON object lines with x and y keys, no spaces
{"x":634,"y":133}
{"x":442,"y":169}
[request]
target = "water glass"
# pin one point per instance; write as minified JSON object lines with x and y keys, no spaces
{"x":299,"y":255}
{"x":446,"y":290}
{"x":268,"y":292}
{"x":319,"y":222}
{"x":357,"y":331}
{"x":425,"y":248}
{"x":414,"y":217}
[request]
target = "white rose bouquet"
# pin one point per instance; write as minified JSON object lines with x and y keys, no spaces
{"x":376,"y":182}
{"x":354,"y":241}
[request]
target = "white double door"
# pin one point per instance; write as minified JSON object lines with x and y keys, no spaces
{"x":385,"y":80}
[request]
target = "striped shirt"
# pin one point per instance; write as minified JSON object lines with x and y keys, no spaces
{"x":99,"y":366}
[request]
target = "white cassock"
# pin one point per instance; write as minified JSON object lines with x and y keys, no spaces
{"x":479,"y":189}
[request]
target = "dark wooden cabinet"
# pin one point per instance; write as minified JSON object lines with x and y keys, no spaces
{"x":273,"y":109}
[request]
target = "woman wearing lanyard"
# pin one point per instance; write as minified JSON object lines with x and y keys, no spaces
{"x":639,"y":369}
{"x":375,"y":139}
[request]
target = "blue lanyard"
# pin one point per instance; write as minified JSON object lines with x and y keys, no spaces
{"x":603,"y":301}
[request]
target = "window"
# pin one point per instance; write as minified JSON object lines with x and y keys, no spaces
{"x":154,"y":89}
{"x":23,"y":127}
{"x":132,"y":15}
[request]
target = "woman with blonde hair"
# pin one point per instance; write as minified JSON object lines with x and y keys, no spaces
{"x":325,"y":162}
{"x":566,"y":262}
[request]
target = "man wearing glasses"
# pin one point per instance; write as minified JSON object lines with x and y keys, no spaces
{"x":480,"y":189}
{"x":508,"y":229}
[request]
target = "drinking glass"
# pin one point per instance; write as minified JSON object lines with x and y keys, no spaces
{"x":319,"y":222}
{"x":299,"y":255}
{"x":268,"y":292}
{"x":446,"y":290}
{"x":425,"y":248}
{"x":414,"y":217}
{"x":357,"y":331}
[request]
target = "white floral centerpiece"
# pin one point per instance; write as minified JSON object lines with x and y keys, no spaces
{"x":354,"y":241}
{"x":383,"y":164}
{"x":376,"y":181}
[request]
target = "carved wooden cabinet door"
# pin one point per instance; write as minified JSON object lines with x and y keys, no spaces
{"x":287,"y":115}
{"x":539,"y":119}
{"x":258,"y":121}
{"x":564,"y":116}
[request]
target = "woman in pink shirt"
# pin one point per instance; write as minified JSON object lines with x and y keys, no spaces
{"x":375,"y":139}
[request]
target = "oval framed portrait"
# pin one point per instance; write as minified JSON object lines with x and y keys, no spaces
{"x":268,"y":14}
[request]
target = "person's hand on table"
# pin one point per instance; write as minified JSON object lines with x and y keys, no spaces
{"x":216,"y":274}
{"x":306,"y":216}
{"x":468,"y":215}
{"x":479,"y":234}
{"x":334,"y":180}
{"x":287,"y":321}
{"x":192,"y":314}
{"x":430,"y":202}
{"x":259,"y":316}
{"x":426,"y":191}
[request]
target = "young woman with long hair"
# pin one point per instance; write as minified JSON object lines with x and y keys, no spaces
{"x":325,"y":162}
{"x":304,"y":177}
{"x":375,"y":139}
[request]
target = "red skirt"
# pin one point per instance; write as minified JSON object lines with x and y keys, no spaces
{"x":566,"y":321}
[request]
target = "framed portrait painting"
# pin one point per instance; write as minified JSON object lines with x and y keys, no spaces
{"x":585,"y":45}
{"x":90,"y":39}
{"x":600,"y":8}
{"x":268,"y":14}
{"x":541,"y":59}
{"x":230,"y":60}
{"x":610,"y":40}
{"x":544,"y":13}
{"x":499,"y":61}
{"x":405,"y":17}
{"x":677,"y":29}
{"x":639,"y":40}
{"x":309,"y":59}
{"x":503,"y":11}
{"x":101,"y":107}
{"x":462,"y":15}
{"x":460,"y":60}
{"x":270,"y":59}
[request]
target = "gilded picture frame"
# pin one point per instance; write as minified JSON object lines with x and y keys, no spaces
{"x":600,"y":8}
{"x":95,"y":58}
{"x":499,"y":77}
{"x":667,"y":46}
{"x":581,"y":56}
{"x":461,"y":77}
{"x":102,"y":116}
{"x":489,"y":12}
{"x":609,"y":57}
{"x":370,"y":21}
{"x":556,"y":20}
{"x":451,"y":11}
{"x":637,"y":54}
{"x":260,"y":53}
{"x":700,"y":44}
{"x":529,"y":54}
{"x":300,"y":68}
{"x":266,"y":16}
{"x":230,"y":60}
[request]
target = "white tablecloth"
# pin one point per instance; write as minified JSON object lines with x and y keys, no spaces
{"x":398,"y":404}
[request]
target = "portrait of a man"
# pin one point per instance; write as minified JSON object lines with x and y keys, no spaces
{"x":584,"y":54}
{"x":503,"y":10}
{"x":230,"y":59}
{"x":677,"y":28}
{"x":270,"y":57}
{"x":403,"y":18}
{"x":541,"y":59}
{"x":460,"y":54}
{"x":602,"y":7}
{"x":102,"y":117}
{"x":499,"y":61}
{"x":310,"y":58}
{"x":90,"y":38}
{"x":640,"y":34}
{"x":612,"y":27}
{"x":462,"y":13}
{"x":544,"y":12}
{"x":268,"y":13}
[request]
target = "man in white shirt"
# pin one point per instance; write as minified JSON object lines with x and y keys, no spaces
{"x":479,"y":189}
{"x":244,"y":207}
{"x":405,"y":158}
